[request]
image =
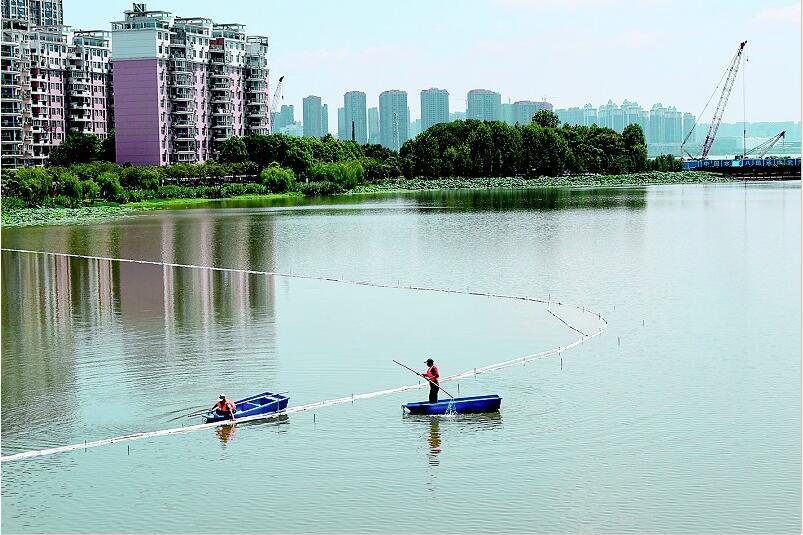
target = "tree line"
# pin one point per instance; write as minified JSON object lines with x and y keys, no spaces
{"x":82,"y":169}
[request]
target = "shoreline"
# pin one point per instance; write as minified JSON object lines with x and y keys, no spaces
{"x":45,"y":216}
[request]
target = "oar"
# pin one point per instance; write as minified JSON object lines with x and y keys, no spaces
{"x":427,"y":378}
{"x":207,"y":410}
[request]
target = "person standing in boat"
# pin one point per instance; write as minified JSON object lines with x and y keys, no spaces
{"x":432,"y":376}
{"x":225,"y":407}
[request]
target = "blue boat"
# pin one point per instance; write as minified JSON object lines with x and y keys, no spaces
{"x":263,"y":403}
{"x":467,"y":405}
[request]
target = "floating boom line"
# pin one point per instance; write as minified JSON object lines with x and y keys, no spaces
{"x":602,"y":326}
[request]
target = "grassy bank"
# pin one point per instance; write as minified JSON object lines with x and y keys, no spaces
{"x":15,"y":216}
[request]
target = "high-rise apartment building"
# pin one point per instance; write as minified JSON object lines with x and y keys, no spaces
{"x":52,"y":80}
{"x":182,"y":85}
{"x":394,"y":119}
{"x":89,"y":89}
{"x":355,"y":115}
{"x":257,"y":82}
{"x":507,"y":113}
{"x":34,"y":12}
{"x":15,"y":93}
{"x":324,"y":119}
{"x":48,"y":82}
{"x":523,"y":110}
{"x":312,"y":115}
{"x":341,"y":124}
{"x":434,"y":107}
{"x":373,"y":126}
{"x":284,"y":117}
{"x":415,"y":128}
{"x":484,"y":105}
{"x":689,"y":122}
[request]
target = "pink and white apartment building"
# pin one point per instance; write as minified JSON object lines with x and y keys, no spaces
{"x":181,"y":85}
{"x":53,"y":81}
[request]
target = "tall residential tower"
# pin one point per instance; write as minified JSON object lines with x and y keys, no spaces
{"x":394,"y":118}
{"x":354,"y":116}
{"x":183,"y":85}
{"x":434,"y":107}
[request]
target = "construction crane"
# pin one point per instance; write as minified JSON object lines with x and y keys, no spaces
{"x":274,"y":103}
{"x":730,"y":78}
{"x":765,"y":147}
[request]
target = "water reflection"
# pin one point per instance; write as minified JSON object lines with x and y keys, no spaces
{"x":434,"y":441}
{"x":458,"y":427}
{"x":225,"y":433}
{"x":125,"y":333}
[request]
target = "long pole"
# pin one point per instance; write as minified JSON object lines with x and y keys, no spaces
{"x":427,"y":378}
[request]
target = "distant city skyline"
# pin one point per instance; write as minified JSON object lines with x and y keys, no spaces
{"x":617,"y":50}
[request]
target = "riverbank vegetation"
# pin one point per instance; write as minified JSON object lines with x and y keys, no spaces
{"x":460,"y":154}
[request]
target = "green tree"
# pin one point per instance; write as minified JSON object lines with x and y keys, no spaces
{"x":546,"y":118}
{"x":108,"y":148}
{"x":33,"y":185}
{"x":636,"y":147}
{"x":233,"y":150}
{"x":77,"y":147}
{"x":277,"y":179}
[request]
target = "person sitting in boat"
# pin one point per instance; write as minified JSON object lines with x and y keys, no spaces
{"x":432,"y":376}
{"x":225,"y":407}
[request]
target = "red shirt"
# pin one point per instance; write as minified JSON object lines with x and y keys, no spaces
{"x":226,"y":406}
{"x":432,"y":374}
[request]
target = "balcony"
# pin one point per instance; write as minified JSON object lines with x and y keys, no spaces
{"x":181,"y":96}
{"x":183,"y":122}
{"x":181,"y":80}
{"x":183,"y":109}
{"x":81,"y":118}
{"x":81,"y":93}
{"x":180,"y":66}
{"x":184,"y":157}
{"x":186,"y":135}
{"x":80,"y":105}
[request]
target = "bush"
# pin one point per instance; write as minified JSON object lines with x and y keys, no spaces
{"x":245,"y":168}
{"x":68,"y":184}
{"x":277,"y":179}
{"x":33,"y":185}
{"x":11,"y":203}
{"x":110,"y":188}
{"x":346,"y":174}
{"x":324,"y":187}
{"x":62,"y":200}
{"x":174,"y":192}
{"x":90,"y":189}
{"x":665,"y":162}
{"x":233,"y":190}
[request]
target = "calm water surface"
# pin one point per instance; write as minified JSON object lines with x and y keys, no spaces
{"x":683,"y":417}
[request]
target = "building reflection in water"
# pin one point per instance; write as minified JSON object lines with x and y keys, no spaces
{"x":77,"y":332}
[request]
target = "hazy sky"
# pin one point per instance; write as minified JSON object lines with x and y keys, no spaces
{"x":568,"y":51}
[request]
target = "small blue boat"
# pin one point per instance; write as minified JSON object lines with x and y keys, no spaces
{"x":468,"y":405}
{"x":263,"y":403}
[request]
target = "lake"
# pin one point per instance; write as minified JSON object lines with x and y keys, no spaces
{"x":683,"y":416}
